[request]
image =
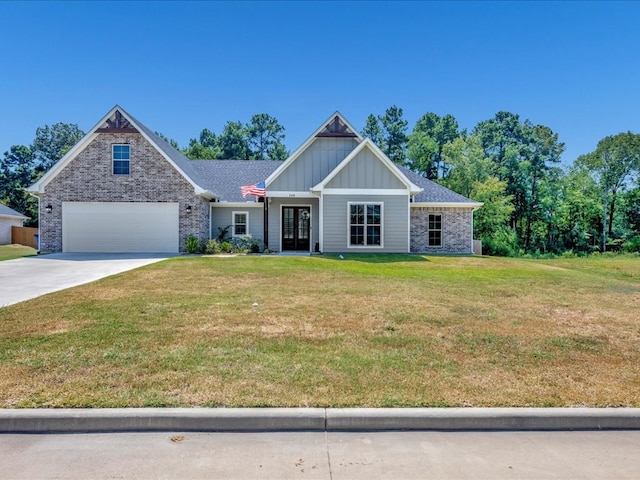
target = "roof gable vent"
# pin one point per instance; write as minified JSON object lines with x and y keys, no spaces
{"x":336,"y":128}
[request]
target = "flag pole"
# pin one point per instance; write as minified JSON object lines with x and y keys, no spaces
{"x":266,"y":222}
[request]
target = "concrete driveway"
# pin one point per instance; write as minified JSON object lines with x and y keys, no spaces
{"x":29,"y":277}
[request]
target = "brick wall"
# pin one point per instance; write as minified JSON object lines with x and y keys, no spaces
{"x":89,"y":178}
{"x":457,"y":230}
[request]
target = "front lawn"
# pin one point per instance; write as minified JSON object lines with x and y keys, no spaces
{"x":364,"y":331}
{"x":8,"y":252}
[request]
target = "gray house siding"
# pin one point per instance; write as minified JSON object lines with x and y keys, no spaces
{"x":89,"y":178}
{"x":222,"y":216}
{"x":457,"y":230}
{"x":275,"y":215}
{"x":395,"y":226}
{"x":313,"y":165}
{"x":365,"y":170}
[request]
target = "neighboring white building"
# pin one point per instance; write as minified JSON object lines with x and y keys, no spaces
{"x":9,"y":218}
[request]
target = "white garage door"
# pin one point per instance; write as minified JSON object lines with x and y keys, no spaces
{"x":119,"y":227}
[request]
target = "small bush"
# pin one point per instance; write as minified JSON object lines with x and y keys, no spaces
{"x":226,"y":247}
{"x":212,"y":247}
{"x":632,"y":245}
{"x":192,"y":245}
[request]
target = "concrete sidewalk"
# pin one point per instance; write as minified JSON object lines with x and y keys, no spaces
{"x":315,"y":419}
{"x":30,"y":277}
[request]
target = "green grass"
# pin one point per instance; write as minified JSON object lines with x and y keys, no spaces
{"x":369,"y":330}
{"x":8,"y":252}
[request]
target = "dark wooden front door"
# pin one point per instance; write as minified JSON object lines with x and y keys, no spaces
{"x":295,"y":228}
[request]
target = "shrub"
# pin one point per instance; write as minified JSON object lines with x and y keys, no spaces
{"x":632,"y":245}
{"x":226,"y":247}
{"x":192,"y":244}
{"x":223,"y":233}
{"x":212,"y":247}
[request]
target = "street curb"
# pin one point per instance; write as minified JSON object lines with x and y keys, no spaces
{"x":314,"y":419}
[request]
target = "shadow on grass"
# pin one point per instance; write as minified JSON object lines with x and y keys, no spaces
{"x":375,"y":257}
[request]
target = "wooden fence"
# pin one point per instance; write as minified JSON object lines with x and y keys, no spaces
{"x":24,"y":236}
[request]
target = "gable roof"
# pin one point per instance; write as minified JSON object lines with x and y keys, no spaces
{"x":10,"y":212}
{"x":368,"y":144}
{"x":225,"y":177}
{"x":334,"y":126}
{"x":177,"y":160}
{"x":433,"y":192}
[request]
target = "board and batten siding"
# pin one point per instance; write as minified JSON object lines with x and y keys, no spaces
{"x":366,"y":170}
{"x":395,"y":223}
{"x":314,"y":164}
{"x":222,"y":217}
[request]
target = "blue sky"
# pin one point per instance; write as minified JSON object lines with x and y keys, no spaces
{"x":182,"y":66}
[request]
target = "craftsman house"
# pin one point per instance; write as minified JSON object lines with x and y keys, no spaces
{"x":124,"y":189}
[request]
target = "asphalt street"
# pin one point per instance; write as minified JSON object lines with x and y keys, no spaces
{"x":323,"y":455}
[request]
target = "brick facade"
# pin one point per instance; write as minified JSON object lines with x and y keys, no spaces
{"x":457,"y":230}
{"x":89,"y":178}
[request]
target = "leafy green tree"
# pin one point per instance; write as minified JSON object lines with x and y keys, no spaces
{"x":278,"y":152}
{"x":614,"y":163}
{"x":52,"y":142}
{"x":422,"y":150}
{"x":430,"y":134}
{"x":264,"y":137}
{"x":491,"y":222}
{"x":373,"y":130}
{"x":233,"y":142}
{"x":522,"y":154}
{"x":578,"y":211}
{"x":205,"y":147}
{"x":632,"y":210}
{"x":469,"y":164}
{"x":394,"y":134}
{"x":18,"y":170}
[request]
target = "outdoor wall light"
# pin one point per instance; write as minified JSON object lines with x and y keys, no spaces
{"x":48,"y":208}
{"x":189,"y":209}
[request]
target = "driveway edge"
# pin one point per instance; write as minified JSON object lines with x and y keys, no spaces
{"x":314,"y":419}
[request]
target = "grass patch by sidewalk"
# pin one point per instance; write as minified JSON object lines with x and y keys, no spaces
{"x":369,"y":330}
{"x":8,"y":252}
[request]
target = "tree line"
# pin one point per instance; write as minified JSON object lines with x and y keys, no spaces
{"x":531,"y":204}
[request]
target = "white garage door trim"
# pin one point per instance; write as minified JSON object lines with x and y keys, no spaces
{"x":120,"y":227}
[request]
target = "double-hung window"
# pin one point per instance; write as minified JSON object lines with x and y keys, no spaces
{"x":240,"y":223}
{"x":435,"y":230}
{"x":365,"y":224}
{"x":120,"y":155}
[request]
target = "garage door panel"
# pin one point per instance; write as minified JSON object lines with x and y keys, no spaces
{"x":120,"y":227}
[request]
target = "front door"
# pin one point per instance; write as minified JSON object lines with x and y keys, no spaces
{"x":295,"y":228}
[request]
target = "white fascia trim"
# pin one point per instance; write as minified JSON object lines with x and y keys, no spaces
{"x":474,"y":205}
{"x":237,"y":205}
{"x":364,"y":191}
{"x":290,"y":194}
{"x":411,"y":187}
{"x":276,"y":173}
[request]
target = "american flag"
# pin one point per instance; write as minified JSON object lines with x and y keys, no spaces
{"x":257,"y":189}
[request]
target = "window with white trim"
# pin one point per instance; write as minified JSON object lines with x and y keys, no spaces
{"x":120,"y":156}
{"x":435,"y":230}
{"x":365,"y":224}
{"x":240,"y":225}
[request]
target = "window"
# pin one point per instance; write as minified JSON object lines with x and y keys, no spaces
{"x":435,"y":230}
{"x":240,"y":223}
{"x":120,"y":157}
{"x":365,"y":224}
